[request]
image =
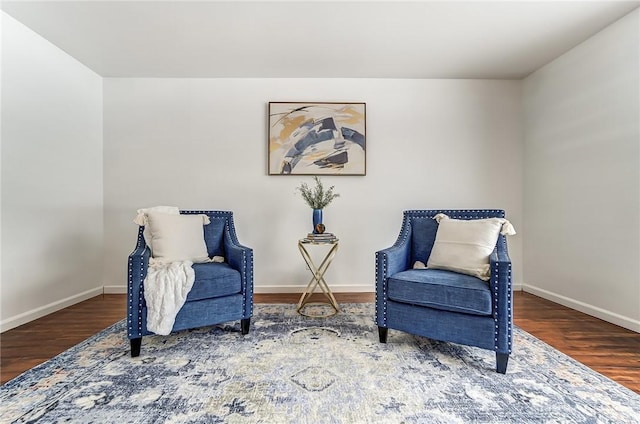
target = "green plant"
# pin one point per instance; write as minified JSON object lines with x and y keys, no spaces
{"x":317,"y":197}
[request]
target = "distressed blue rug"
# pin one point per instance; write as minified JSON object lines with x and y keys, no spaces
{"x":294,"y":369}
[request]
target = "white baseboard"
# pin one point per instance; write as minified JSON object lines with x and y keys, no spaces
{"x":115,"y":289}
{"x":335,"y":288}
{"x":350,"y":288}
{"x":603,"y":314}
{"x":34,"y":314}
{"x":353,"y":288}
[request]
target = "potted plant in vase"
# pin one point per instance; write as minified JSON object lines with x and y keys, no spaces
{"x":317,"y":198}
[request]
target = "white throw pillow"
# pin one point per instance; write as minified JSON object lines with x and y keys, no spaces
{"x":141,"y":218}
{"x":178,"y":237}
{"x":141,"y":214}
{"x":464,"y":246}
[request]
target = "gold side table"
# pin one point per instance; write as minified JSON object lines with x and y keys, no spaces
{"x":317,"y":279}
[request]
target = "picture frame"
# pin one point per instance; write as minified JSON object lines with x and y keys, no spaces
{"x":317,"y":138}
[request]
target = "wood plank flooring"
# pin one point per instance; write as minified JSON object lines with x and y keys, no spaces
{"x":606,"y":348}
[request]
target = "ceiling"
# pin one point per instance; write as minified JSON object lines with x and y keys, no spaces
{"x":316,"y":39}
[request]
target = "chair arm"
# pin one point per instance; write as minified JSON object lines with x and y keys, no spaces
{"x":137,"y":271}
{"x":392,"y":260}
{"x":501,"y":295}
{"x":240,"y":258}
{"x":499,"y":256}
{"x":389,"y":261}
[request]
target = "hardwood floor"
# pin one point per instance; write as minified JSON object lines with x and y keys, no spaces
{"x":606,"y":348}
{"x":33,"y":343}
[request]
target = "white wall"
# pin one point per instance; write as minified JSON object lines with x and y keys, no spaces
{"x":201,"y":143}
{"x":582,"y":179}
{"x":52,"y":208}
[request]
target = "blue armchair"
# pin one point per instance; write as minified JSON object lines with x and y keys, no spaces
{"x":440,"y":304}
{"x":221,"y":292}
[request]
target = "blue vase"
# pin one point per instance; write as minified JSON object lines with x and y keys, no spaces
{"x":317,"y":219}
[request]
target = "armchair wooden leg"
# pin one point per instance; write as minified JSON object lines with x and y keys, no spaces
{"x":244,"y":325}
{"x":382,"y":334}
{"x":501,"y":362}
{"x":135,"y":347}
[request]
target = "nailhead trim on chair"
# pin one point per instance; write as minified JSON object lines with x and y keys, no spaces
{"x":141,"y":289}
{"x":494,"y":283}
{"x":409,"y":216}
{"x":384,"y":288}
{"x":404,"y":233}
{"x":509,"y":291}
{"x":230,"y":228}
{"x":141,"y":243}
{"x":244,"y":283}
{"x":377,"y":276}
{"x":129,"y":306}
{"x":140,"y":296}
{"x":248,"y":272}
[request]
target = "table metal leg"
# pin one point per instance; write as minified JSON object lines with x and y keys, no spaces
{"x":317,"y":279}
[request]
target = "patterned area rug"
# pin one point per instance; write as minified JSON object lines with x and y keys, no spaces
{"x":294,"y":369}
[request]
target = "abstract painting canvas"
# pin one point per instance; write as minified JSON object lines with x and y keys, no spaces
{"x":317,"y":138}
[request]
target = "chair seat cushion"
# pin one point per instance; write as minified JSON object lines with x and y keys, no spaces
{"x":214,"y":280}
{"x":440,"y":289}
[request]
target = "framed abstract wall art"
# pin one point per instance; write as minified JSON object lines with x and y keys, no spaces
{"x":317,"y":138}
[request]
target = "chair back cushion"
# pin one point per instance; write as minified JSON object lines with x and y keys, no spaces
{"x":214,"y":232}
{"x":214,"y":236}
{"x":423,"y":236}
{"x":422,"y":228}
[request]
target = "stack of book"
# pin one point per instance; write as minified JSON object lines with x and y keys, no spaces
{"x":321,"y":238}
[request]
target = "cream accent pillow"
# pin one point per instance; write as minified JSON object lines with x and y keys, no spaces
{"x":141,"y":219}
{"x":178,"y":237}
{"x":141,"y":214}
{"x":464,"y":246}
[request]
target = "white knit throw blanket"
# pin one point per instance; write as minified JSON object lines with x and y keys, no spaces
{"x":165,"y":290}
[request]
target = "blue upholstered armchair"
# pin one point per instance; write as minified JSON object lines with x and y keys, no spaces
{"x":221,"y":292}
{"x":441,"y":304}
